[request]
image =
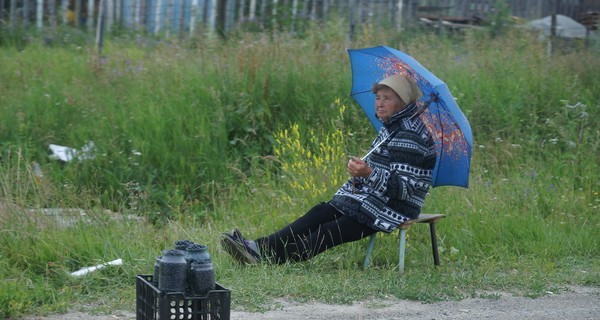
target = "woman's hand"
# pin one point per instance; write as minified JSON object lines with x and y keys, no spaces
{"x":358,"y":168}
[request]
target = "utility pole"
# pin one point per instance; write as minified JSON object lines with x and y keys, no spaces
{"x":552,"y":42}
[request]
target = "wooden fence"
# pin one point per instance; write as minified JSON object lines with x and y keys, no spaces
{"x":188,"y":16}
{"x":527,"y":9}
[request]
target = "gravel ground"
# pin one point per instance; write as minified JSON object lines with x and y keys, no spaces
{"x":581,"y":303}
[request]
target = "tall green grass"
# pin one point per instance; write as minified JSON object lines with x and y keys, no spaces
{"x":200,"y":137}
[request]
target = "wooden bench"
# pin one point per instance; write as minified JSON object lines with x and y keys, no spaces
{"x":431,"y":219}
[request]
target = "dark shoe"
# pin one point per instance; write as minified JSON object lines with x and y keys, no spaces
{"x":242,"y":250}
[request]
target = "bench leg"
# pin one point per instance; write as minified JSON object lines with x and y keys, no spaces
{"x":402,"y":249}
{"x":434,"y":247}
{"x":369,"y":251}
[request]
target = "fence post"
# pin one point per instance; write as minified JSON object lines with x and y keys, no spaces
{"x":77,"y":12}
{"x":137,"y":4}
{"x":115,"y":12}
{"x":411,"y":12}
{"x":351,"y":8}
{"x":52,"y":13}
{"x":221,"y":8}
{"x":169,"y":18}
{"x":230,"y":15}
{"x":263,"y":12}
{"x":26,"y":10}
{"x":241,"y":7}
{"x":554,"y":4}
{"x":304,"y":12}
{"x":181,"y":17}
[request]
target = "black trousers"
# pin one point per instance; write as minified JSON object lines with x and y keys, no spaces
{"x":322,"y":227}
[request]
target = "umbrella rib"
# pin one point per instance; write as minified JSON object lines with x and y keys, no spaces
{"x":443,"y":137}
{"x":368,"y":53}
{"x":360,"y":92}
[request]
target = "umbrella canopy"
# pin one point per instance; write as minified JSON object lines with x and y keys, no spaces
{"x":442,"y":116}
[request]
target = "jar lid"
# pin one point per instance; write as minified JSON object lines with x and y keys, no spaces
{"x":173,"y":252}
{"x":183,"y":243}
{"x":196,"y":247}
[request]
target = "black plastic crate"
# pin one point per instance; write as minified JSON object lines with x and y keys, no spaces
{"x":152,"y":304}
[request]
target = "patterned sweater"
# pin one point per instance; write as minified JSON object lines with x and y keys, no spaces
{"x":402,"y":166}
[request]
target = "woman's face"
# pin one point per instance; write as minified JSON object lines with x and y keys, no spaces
{"x":387,"y":103}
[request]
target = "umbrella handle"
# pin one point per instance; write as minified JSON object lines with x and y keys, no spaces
{"x":373,"y":149}
{"x":380,"y":143}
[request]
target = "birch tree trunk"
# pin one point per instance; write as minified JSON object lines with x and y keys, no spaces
{"x":193,"y":16}
{"x":263,"y":12}
{"x":158,"y":13}
{"x":212,"y":20}
{"x":2,"y":14}
{"x":90,"y":14}
{"x":252,"y":14}
{"x":294,"y":14}
{"x":101,"y":25}
{"x":274,"y":13}
{"x":109,"y":14}
{"x":39,"y":14}
{"x":64,"y":8}
{"x":12,"y":15}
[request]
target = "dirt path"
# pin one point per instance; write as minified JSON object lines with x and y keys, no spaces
{"x":582,"y":303}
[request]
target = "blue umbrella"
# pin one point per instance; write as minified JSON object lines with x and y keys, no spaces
{"x":444,"y":119}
